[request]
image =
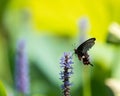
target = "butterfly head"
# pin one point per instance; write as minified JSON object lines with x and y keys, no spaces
{"x":75,"y":50}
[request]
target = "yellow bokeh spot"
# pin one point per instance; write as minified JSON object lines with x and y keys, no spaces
{"x":60,"y":17}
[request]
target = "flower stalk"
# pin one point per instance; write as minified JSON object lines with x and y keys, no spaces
{"x":84,"y":27}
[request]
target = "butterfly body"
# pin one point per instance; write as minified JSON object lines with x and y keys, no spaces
{"x":81,"y":51}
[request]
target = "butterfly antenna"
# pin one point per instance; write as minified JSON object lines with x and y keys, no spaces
{"x":73,"y":49}
{"x":74,"y":44}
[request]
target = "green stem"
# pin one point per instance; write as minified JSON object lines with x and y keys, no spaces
{"x":86,"y":81}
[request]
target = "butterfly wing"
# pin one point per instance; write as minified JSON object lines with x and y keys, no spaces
{"x":85,"y":46}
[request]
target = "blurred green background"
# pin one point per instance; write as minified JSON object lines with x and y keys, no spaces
{"x":51,"y":27}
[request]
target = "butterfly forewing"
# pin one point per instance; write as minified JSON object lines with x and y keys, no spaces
{"x":85,"y":46}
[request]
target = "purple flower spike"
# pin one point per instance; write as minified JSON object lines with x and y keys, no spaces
{"x":22,"y":69}
{"x":66,"y":63}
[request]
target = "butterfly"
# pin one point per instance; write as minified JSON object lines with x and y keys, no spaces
{"x":81,"y":51}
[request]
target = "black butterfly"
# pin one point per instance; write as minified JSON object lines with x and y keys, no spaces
{"x":81,"y":51}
